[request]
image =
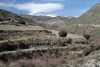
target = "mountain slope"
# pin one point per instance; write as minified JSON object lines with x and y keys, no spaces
{"x":92,"y":16}
{"x":7,"y":17}
{"x":51,"y":22}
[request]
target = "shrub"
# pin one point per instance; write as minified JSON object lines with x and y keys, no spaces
{"x":86,"y":36}
{"x":62,"y":33}
{"x":69,"y":41}
{"x":1,"y":31}
{"x":22,"y":22}
{"x":42,"y":24}
{"x":1,"y":39}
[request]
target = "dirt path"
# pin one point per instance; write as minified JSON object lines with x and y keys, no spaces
{"x":12,"y":27}
{"x":69,"y":35}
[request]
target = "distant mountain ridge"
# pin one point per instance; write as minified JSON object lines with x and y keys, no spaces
{"x":7,"y":17}
{"x":48,"y":18}
{"x":57,"y":22}
{"x":92,"y":16}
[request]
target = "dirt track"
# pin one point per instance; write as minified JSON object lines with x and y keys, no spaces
{"x":12,"y":27}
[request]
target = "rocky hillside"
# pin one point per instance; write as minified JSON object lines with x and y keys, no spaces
{"x":7,"y":17}
{"x":51,"y":22}
{"x":10,"y":18}
{"x":92,"y":16}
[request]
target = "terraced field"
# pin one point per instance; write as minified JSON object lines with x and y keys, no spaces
{"x":34,"y":42}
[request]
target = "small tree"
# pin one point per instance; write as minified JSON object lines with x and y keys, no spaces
{"x":62,"y":33}
{"x":86,"y":36}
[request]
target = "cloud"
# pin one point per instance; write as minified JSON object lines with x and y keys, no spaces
{"x":38,"y":8}
{"x":34,"y":8}
{"x":51,"y":15}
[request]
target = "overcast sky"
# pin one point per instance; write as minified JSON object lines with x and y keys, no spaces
{"x":48,"y":7}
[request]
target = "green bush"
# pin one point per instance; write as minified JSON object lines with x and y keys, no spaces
{"x":62,"y":33}
{"x":86,"y":36}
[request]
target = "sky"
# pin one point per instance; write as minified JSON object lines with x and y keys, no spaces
{"x":48,"y":7}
